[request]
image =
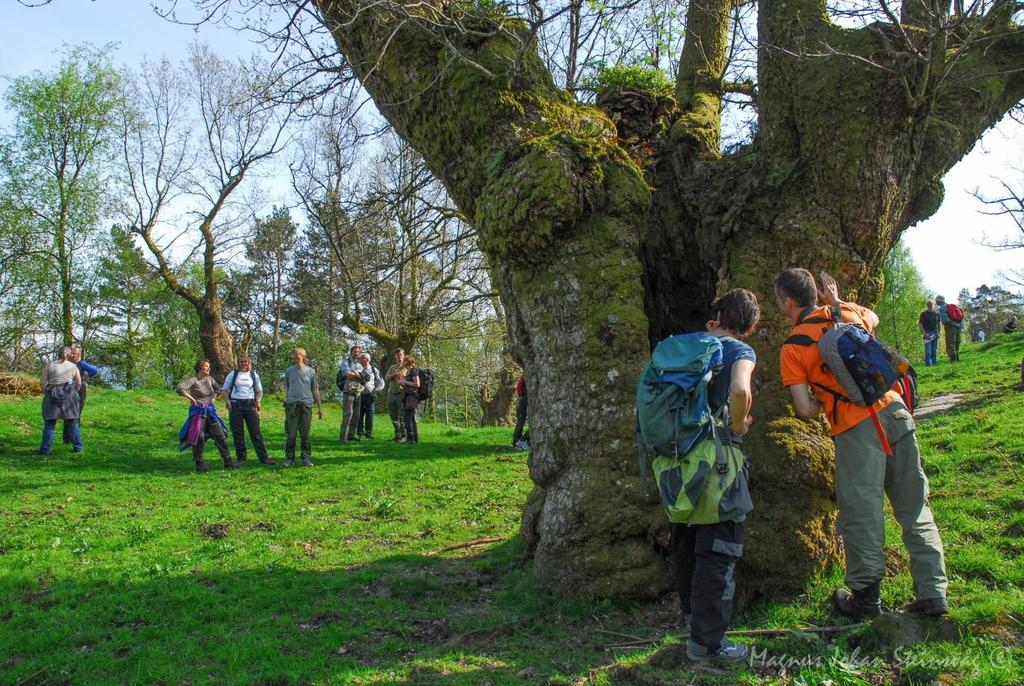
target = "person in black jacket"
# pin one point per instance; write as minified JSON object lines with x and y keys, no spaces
{"x":929,"y":322}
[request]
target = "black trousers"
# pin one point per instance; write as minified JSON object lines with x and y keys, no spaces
{"x":703,"y":561}
{"x":213,"y":430}
{"x":521,"y":408}
{"x":244,"y":416}
{"x":367,"y":408}
{"x":411,"y":433}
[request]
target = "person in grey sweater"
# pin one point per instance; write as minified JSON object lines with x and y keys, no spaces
{"x":301,"y":391}
{"x":60,"y":381}
{"x":201,"y":390}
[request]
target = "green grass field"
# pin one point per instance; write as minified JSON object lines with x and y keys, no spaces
{"x":122,"y":565}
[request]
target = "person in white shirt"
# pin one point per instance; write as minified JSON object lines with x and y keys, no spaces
{"x":368,"y":398}
{"x":243,"y":393}
{"x":352,"y":377}
{"x":60,"y":382}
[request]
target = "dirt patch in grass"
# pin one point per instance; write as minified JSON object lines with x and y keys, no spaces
{"x":429,"y":631}
{"x":215,"y":531}
{"x":319,"y":620}
{"x":896,"y":560}
{"x":261,"y":526}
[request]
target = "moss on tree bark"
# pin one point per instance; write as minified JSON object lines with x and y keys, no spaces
{"x":598,"y":251}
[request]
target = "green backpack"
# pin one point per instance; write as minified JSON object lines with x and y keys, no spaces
{"x":697,"y":474}
{"x":703,"y":486}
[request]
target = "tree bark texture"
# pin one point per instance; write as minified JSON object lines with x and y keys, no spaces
{"x":601,"y":244}
{"x":214,"y":337}
{"x":498,"y":396}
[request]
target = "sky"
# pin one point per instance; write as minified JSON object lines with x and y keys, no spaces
{"x":947,"y":248}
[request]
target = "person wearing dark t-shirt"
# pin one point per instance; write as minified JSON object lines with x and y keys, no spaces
{"x":929,"y":322}
{"x":411,"y":383}
{"x":704,"y":556}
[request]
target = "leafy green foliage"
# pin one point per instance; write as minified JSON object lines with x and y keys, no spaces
{"x":901,"y":303}
{"x":990,"y":308}
{"x":637,"y":77}
{"x":52,"y":170}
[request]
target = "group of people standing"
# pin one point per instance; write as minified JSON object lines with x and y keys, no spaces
{"x":936,"y":314}
{"x":243,"y":396}
{"x":940,"y":317}
{"x":64,"y":384}
{"x":358,"y":382}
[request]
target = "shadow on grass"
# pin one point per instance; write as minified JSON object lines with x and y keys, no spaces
{"x":404,"y":619}
{"x":136,"y":450}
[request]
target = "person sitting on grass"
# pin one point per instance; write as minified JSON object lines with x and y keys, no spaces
{"x":203,"y":422}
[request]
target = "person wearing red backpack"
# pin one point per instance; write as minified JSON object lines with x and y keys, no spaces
{"x":952,"y":324}
{"x":864,"y":474}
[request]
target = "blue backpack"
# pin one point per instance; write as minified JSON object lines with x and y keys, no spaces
{"x":864,"y":367}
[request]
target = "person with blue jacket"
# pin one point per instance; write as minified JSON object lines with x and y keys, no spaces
{"x":201,"y":390}
{"x":86,"y":371}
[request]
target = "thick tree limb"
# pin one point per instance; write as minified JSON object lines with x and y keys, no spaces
{"x":701,"y":71}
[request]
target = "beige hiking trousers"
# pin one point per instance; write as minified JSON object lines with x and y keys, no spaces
{"x":863,"y":474}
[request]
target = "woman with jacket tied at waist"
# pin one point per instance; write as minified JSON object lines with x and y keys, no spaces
{"x":201,"y":390}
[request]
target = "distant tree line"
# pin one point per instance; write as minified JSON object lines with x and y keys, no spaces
{"x":134,"y":222}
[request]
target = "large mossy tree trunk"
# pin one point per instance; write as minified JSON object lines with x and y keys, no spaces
{"x":604,"y":237}
{"x":214,"y":337}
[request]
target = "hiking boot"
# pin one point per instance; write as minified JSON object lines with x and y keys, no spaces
{"x":231,"y":464}
{"x":862,"y":604}
{"x":931,"y":607}
{"x":352,"y":438}
{"x":240,"y":461}
{"x":201,"y":467}
{"x":306,"y":462}
{"x":728,"y":652}
{"x":266,"y":460}
{"x":79,"y":449}
{"x":290,"y":462}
